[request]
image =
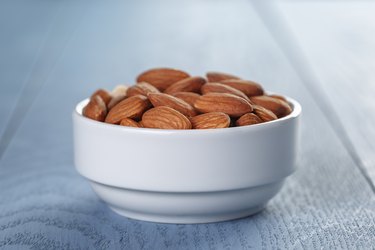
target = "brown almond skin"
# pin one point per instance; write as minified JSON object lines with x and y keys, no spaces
{"x":248,"y":119}
{"x":279,"y":97}
{"x":104,"y":94}
{"x":222,"y":88}
{"x":263,"y":113}
{"x":162,"y":78}
{"x":161,"y":99}
{"x":188,"y":97}
{"x":222,"y":102}
{"x":141,"y":88}
{"x":191,"y":84}
{"x":164,"y":117}
{"x":210,"y":120}
{"x":129,"y":123}
{"x":118,"y":94}
{"x":115,"y":100}
{"x":213,"y":76}
{"x":249,"y":88}
{"x":277,"y":106}
{"x":132,"y":107}
{"x":95,"y":109}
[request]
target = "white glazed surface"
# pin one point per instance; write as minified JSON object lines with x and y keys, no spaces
{"x":122,"y":160}
{"x":186,"y":207}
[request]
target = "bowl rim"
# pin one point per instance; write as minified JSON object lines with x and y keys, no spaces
{"x":296,"y":112}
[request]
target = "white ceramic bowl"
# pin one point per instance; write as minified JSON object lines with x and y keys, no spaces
{"x":186,"y":176}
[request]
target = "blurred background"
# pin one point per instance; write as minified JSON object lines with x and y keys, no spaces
{"x":55,"y":53}
{"x":60,"y":51}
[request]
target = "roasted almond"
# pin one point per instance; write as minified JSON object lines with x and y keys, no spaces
{"x":162,"y":78}
{"x":222,"y":102}
{"x":141,"y":88}
{"x":249,"y":88}
{"x":279,"y":97}
{"x":248,"y":119}
{"x":210,"y":120}
{"x":118,"y":94}
{"x":164,"y":117}
{"x":277,"y":106}
{"x":104,"y":94}
{"x":218,"y":76}
{"x":95,"y":109}
{"x":263,"y":113}
{"x":188,"y":97}
{"x":212,"y":87}
{"x":132,"y":107}
{"x":130,"y":123}
{"x":161,"y":99}
{"x":191,"y":84}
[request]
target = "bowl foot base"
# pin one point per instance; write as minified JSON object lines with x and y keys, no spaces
{"x":187,"y":207}
{"x":186,"y":219}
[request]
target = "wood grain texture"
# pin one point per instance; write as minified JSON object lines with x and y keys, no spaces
{"x":45,"y":204}
{"x":342,"y":34}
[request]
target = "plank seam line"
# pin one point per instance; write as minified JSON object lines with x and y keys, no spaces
{"x":273,"y":20}
{"x":15,"y":118}
{"x":22,"y":107}
{"x":9,"y":130}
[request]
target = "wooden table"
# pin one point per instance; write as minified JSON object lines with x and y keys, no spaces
{"x":55,"y":53}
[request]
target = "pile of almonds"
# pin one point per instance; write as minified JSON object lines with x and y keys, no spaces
{"x":168,"y":98}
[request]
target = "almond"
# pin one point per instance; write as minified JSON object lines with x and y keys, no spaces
{"x":141,"y":88}
{"x":161,"y":99}
{"x":118,"y":94}
{"x":222,"y":102}
{"x":106,"y":97}
{"x":279,"y":97}
{"x":248,"y":119}
{"x":217,"y":76}
{"x":277,"y":106}
{"x":162,"y":78}
{"x":119,"y":90}
{"x":210,"y":120}
{"x":221,"y":88}
{"x":191,"y":84}
{"x":263,"y":113}
{"x":164,"y":117}
{"x":249,"y":88}
{"x":129,"y":123}
{"x":132,"y":107}
{"x":115,"y":100}
{"x":172,"y":99}
{"x":188,"y":97}
{"x":95,"y":109}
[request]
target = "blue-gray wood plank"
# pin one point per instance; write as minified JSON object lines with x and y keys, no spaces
{"x":343,"y":34}
{"x":45,"y":204}
{"x":52,"y":29}
{"x":23,"y":27}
